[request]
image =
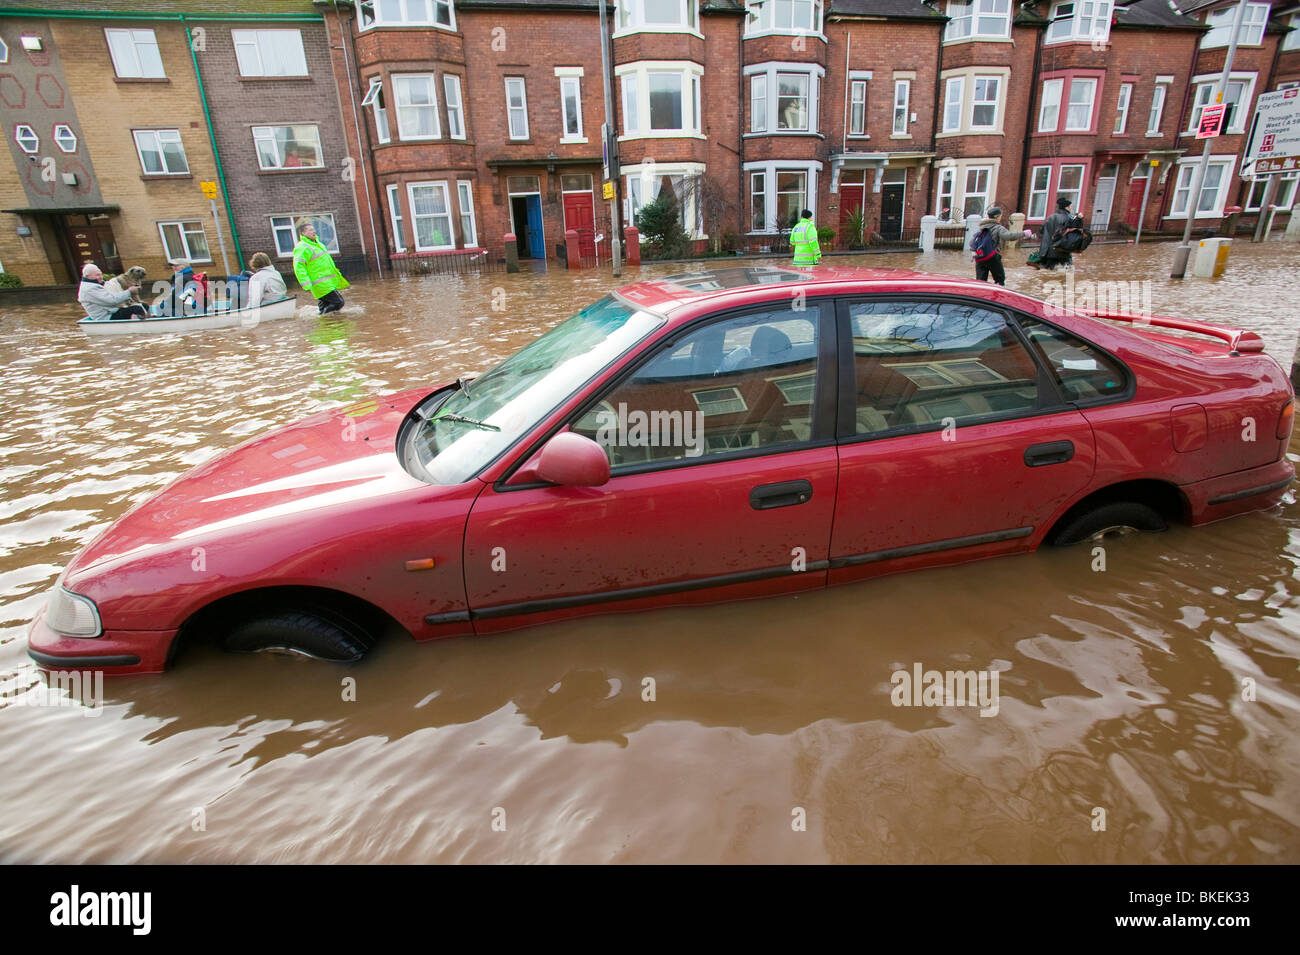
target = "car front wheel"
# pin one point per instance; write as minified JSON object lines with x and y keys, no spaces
{"x":323,"y":635}
{"x":1116,"y":518}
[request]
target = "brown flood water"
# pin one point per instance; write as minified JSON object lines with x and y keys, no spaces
{"x":1120,"y":690}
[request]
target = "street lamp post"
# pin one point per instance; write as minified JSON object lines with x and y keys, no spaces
{"x":1194,"y":199}
{"x":609,"y":144}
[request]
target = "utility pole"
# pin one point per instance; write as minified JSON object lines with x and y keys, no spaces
{"x":609,"y":143}
{"x":1184,"y":251}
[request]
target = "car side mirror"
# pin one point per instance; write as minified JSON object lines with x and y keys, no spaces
{"x":571,"y":460}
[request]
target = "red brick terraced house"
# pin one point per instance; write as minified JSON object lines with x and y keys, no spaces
{"x":1104,"y":126}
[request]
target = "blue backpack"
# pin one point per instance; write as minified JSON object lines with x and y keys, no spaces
{"x":983,"y":246}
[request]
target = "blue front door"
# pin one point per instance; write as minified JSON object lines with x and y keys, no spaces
{"x":536,"y":241}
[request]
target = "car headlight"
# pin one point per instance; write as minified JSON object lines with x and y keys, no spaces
{"x":72,"y":615}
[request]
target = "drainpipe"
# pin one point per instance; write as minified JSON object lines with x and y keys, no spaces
{"x":345,"y":37}
{"x":1034,"y":94}
{"x":934,"y":116}
{"x":212,"y":137}
{"x":746,"y":201}
{"x":844,"y":129}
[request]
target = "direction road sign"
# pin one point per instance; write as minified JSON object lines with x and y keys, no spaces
{"x":1274,"y":140}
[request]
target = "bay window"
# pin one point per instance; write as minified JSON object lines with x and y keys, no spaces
{"x":1079,"y":21}
{"x":395,"y":218}
{"x":1040,"y":181}
{"x":661,"y":98}
{"x":965,"y":187}
{"x":984,"y":103}
{"x":1253,"y":22}
{"x":430,"y":216}
{"x":783,"y":97}
{"x":1078,"y":114}
{"x":405,"y":13}
{"x":779,"y":190}
{"x":983,"y":19}
{"x":783,"y":16}
{"x":417,"y":106}
{"x":1052,"y":179}
{"x":645,"y":183}
{"x":1049,"y":108}
{"x":1076,"y":96}
{"x":952,"y":101}
{"x":455,"y":106}
{"x":946,"y":193}
{"x":972,"y":100}
{"x":657,"y":16}
{"x":374,"y":98}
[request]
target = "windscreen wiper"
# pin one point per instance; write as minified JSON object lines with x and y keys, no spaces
{"x":461,"y":419}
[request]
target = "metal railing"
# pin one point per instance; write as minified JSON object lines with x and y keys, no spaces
{"x":445,"y":263}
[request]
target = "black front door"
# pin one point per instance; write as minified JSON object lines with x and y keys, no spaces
{"x":891,"y":210}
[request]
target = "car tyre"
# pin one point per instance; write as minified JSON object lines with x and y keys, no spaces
{"x":1117,"y":517}
{"x":318,"y":634}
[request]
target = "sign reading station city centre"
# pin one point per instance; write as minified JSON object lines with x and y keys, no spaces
{"x":1273,"y":145}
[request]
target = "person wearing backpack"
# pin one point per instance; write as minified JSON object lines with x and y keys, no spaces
{"x":987,"y":244}
{"x":1049,"y":255}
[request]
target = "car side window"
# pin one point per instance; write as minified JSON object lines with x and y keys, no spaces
{"x":1083,"y":371}
{"x":920,"y":363}
{"x":741,"y":383}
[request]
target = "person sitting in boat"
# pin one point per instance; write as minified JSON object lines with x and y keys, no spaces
{"x":186,"y":296}
{"x":104,"y":304}
{"x":266,"y":284}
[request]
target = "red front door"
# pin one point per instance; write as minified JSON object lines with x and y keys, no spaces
{"x":580,"y":215}
{"x":1134,"y":210}
{"x":851,"y":199}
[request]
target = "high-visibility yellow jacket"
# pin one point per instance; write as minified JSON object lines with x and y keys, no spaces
{"x":314,"y":268}
{"x":803,"y":239}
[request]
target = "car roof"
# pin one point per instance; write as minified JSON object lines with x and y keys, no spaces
{"x":682,"y":294}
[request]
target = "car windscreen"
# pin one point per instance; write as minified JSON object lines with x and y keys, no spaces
{"x":460,"y":432}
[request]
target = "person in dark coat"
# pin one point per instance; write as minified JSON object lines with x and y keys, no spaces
{"x":1053,"y":226}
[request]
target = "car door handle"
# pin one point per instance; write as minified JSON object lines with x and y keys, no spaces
{"x":781,"y":494}
{"x":1050,"y":452}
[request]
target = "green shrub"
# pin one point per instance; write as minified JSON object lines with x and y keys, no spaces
{"x":825,"y":236}
{"x":660,"y":224}
{"x":9,"y":280}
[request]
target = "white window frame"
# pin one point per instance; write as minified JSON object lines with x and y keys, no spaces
{"x":1228,"y":164}
{"x":947,"y":187}
{"x":1290,"y":41}
{"x":1091,"y":84}
{"x":4,"y":51}
{"x":136,"y":38}
{"x":395,"y":216}
{"x":1043,"y":192}
{"x":987,"y":194}
{"x":1083,"y":183}
{"x":1079,"y":24}
{"x":175,"y":137}
{"x":187,"y":252}
{"x":1208,"y":82}
{"x":964,"y":80}
{"x":636,"y":180}
{"x":254,"y":39}
{"x":630,"y":17}
{"x":857,"y":81}
{"x":62,"y":133}
{"x":370,"y":14}
{"x":954,"y":175}
{"x":639,"y":111}
{"x":402,"y":82}
{"x":377,"y":102}
{"x":465,"y":202}
{"x":570,"y":77}
{"x":521,"y":110}
{"x":289,"y":221}
{"x":1286,"y":181}
{"x":902,"y":110}
{"x":1123,"y":102}
{"x":455,"y":106}
{"x":758,"y":102}
{"x":950,"y":101}
{"x":1156,"y":113}
{"x":761,"y":18}
{"x":770,"y":169}
{"x":1053,"y":91}
{"x":969,"y":20}
{"x":1253,"y":24}
{"x":24,"y":135}
{"x":996,"y":103}
{"x":415,"y":227}
{"x":260,"y":135}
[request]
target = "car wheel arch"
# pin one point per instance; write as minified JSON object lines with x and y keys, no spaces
{"x":244,"y":605}
{"x":1163,"y":497}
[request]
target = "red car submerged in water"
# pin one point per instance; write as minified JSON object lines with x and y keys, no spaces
{"x":704,"y":437}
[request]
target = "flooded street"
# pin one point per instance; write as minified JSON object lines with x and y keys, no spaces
{"x":1119,"y":690}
